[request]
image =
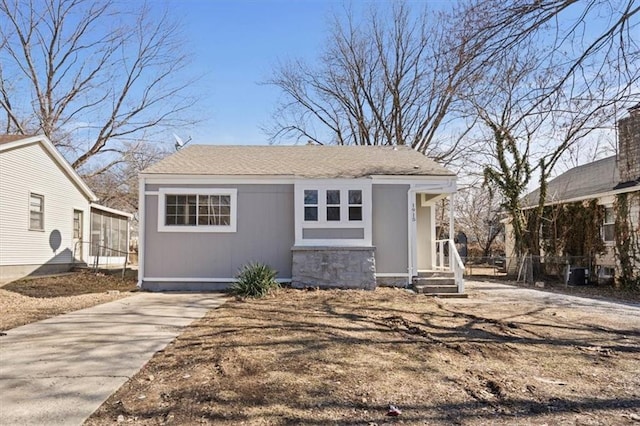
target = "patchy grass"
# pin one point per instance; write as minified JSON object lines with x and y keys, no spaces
{"x":341,"y":357}
{"x":34,"y":299}
{"x":73,"y":284}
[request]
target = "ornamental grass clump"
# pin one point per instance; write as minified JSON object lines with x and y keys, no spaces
{"x":255,"y":280}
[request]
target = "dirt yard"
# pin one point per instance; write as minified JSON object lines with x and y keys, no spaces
{"x":34,"y":299}
{"x":503,"y":356}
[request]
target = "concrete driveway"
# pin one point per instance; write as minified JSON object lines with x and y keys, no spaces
{"x":498,"y":297}
{"x":58,"y":371}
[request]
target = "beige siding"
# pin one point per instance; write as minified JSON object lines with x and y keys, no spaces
{"x":30,"y":169}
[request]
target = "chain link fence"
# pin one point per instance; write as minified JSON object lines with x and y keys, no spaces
{"x":572,"y":270}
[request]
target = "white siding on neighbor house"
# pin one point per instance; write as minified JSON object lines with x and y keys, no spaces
{"x":30,"y":169}
{"x":609,"y":257}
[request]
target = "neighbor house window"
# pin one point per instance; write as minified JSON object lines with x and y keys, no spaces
{"x":36,"y":212}
{"x":209,"y":210}
{"x":608,"y":224}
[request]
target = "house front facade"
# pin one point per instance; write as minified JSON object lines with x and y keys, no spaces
{"x":48,"y":215}
{"x":610,"y":189}
{"x":325,"y":216}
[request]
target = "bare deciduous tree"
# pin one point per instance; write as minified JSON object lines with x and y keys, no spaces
{"x":541,"y":102}
{"x":117,"y":187}
{"x":92,"y":76}
{"x":478,"y":214}
{"x":382,"y":80}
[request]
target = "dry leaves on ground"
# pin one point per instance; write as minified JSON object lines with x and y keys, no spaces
{"x":342,"y":357}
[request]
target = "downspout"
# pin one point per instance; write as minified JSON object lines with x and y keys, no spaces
{"x":141,"y":230}
{"x":451,"y":215}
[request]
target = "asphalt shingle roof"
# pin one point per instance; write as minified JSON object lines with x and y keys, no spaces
{"x":589,"y":179}
{"x":309,"y":161}
{"x":11,"y":138}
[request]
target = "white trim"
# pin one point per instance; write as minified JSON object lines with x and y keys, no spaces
{"x":428,"y":184}
{"x":202,"y":280}
{"x":232,"y":227}
{"x":344,"y":185}
{"x":110,"y":210}
{"x":444,"y":181}
{"x":451,"y":216}
{"x":41,"y":212}
{"x":391,"y":275}
{"x":432,"y":221}
{"x":141,"y":228}
{"x":412,"y":242}
{"x":57,"y":157}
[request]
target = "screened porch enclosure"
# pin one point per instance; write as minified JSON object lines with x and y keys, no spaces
{"x":109,"y":244}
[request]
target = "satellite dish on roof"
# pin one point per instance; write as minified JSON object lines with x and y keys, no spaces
{"x":179,"y":142}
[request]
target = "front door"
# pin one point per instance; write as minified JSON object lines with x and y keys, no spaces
{"x":77,"y":234}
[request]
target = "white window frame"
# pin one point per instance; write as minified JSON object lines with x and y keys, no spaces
{"x":344,"y":185}
{"x":604,"y":223}
{"x":41,"y":212}
{"x":162,"y":197}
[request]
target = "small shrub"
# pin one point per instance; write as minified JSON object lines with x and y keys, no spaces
{"x":255,"y":280}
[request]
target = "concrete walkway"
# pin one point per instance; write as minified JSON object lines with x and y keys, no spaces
{"x":60,"y":370}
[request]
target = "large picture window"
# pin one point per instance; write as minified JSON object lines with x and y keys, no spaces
{"x":36,"y":212}
{"x":193,"y":210}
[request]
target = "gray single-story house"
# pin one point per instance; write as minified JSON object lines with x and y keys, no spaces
{"x":326,"y":216}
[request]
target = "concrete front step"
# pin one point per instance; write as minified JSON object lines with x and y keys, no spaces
{"x":435,"y":274}
{"x":434,"y":281}
{"x":428,"y":289}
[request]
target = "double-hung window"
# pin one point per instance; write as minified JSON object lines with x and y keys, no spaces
{"x":36,"y":212}
{"x":355,"y":205}
{"x":197,"y":210}
{"x":608,"y":225}
{"x":311,"y":205}
{"x":333,"y":205}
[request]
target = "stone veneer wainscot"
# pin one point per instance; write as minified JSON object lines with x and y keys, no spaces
{"x":334,"y":267}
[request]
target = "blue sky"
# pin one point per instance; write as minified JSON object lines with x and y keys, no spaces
{"x":236,"y":44}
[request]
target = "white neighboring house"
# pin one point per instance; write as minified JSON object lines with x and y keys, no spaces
{"x":49,"y":219}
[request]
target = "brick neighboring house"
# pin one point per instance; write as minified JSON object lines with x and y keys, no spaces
{"x":602,"y":180}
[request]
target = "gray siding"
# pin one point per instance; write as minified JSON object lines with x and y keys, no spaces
{"x":265,"y":233}
{"x":332,"y":233}
{"x":390,"y":228}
